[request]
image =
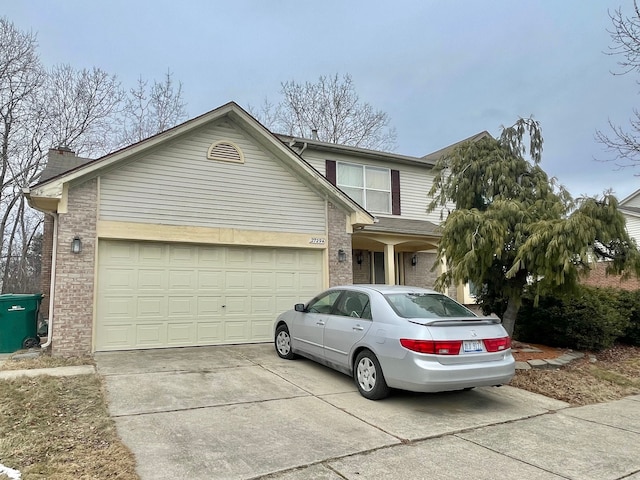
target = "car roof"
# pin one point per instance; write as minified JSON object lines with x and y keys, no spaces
{"x":386,"y":289}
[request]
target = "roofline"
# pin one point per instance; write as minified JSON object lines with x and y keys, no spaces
{"x":629,"y":197}
{"x":363,"y":152}
{"x":472,"y":138}
{"x":236,"y":113}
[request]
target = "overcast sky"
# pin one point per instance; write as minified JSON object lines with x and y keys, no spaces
{"x":442,"y":70}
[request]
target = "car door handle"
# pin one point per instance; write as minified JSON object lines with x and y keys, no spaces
{"x":319,"y":322}
{"x":358,"y":327}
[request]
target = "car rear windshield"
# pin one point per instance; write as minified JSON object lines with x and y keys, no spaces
{"x":426,"y":305}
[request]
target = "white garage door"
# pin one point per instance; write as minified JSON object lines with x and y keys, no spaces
{"x":154,"y":295}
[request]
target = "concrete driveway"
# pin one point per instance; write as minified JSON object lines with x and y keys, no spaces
{"x":241,"y":412}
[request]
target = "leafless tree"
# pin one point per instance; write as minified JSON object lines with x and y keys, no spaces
{"x":152,"y":109}
{"x":61,"y":106}
{"x":21,"y":77}
{"x":624,"y":142}
{"x":331,"y":109}
{"x":80,"y":107}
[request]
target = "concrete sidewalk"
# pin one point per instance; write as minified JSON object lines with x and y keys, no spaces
{"x":240,"y":412}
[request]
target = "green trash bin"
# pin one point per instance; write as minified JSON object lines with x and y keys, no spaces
{"x":19,"y":321}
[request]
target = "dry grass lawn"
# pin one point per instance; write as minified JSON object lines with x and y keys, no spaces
{"x":58,"y":428}
{"x":598,"y":377}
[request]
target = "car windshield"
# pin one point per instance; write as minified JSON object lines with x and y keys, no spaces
{"x":426,"y":305}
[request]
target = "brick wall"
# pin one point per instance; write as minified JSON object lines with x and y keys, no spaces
{"x":340,"y":273}
{"x":45,"y":279}
{"x":598,"y":278}
{"x":362,"y":272}
{"x":73,"y":307}
{"x":420,"y":274}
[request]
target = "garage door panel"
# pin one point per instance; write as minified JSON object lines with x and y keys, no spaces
{"x":151,"y":254}
{"x":182,"y":255}
{"x":182,"y":280}
{"x":121,"y":279}
{"x":151,"y":279}
{"x":119,"y":307}
{"x":210,"y":332}
{"x":162,"y":295}
{"x":181,"y":306}
{"x":120,"y":336}
{"x":237,"y":305}
{"x":181,"y":334}
{"x":261,"y":281}
{"x":211,"y":257}
{"x":237,"y":281}
{"x":151,"y":307}
{"x":151,"y":335}
{"x":236,"y":331}
{"x":210,"y":280}
{"x":208,"y":306}
{"x":261,"y":330}
{"x":285,"y":281}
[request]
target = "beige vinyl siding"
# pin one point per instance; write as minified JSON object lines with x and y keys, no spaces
{"x":633,"y":227}
{"x":633,"y":202}
{"x":178,"y":185}
{"x":415,"y":182}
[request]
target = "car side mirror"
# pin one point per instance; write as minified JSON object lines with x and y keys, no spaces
{"x":299,"y":307}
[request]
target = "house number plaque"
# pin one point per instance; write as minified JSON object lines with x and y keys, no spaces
{"x":316,"y":241}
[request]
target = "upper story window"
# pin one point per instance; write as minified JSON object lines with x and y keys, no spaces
{"x":369,"y":186}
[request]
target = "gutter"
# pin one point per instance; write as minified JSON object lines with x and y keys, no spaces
{"x":54,"y":249}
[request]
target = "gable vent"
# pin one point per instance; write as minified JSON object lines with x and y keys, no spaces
{"x":225,"y":152}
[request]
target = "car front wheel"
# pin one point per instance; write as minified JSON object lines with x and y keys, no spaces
{"x":283,"y":343}
{"x":368,"y":376}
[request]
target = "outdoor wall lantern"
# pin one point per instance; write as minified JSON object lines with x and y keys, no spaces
{"x":359,"y":258}
{"x":76,"y":245}
{"x":414,"y":260}
{"x":342,"y":255}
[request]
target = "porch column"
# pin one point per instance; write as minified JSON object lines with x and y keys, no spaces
{"x":389,"y":264}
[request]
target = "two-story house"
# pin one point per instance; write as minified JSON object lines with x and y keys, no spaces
{"x":203,"y":234}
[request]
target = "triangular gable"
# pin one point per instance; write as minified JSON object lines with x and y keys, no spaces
{"x":435,"y":156}
{"x":632,"y":201}
{"x":53,"y":188}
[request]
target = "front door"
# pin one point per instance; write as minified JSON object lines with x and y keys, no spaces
{"x":378,"y":268}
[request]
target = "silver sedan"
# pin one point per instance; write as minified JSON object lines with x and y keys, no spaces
{"x":397,"y":337}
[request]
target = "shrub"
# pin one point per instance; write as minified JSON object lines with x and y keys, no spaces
{"x":630,"y":301}
{"x":590,"y":319}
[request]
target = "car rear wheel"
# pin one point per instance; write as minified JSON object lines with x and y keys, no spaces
{"x":283,"y":343}
{"x":368,"y":376}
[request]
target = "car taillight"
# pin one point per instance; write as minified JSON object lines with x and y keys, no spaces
{"x":497,"y":344}
{"x":438,"y":347}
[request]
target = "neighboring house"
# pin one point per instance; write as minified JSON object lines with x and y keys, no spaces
{"x":598,"y":277}
{"x":203,"y":234}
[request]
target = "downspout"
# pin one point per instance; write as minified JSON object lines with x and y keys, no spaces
{"x":52,"y":282}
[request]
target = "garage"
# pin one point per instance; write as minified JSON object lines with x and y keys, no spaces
{"x":157,"y":295}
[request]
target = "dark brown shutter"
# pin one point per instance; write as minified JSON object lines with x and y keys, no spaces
{"x":331,"y":171}
{"x":395,"y":192}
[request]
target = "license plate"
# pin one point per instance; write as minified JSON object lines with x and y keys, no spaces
{"x":469,"y":346}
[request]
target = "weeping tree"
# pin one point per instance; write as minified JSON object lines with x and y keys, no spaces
{"x":509,"y":227}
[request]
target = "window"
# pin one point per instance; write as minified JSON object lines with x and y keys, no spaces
{"x":324,"y":302}
{"x":354,"y":304}
{"x":369,"y":186}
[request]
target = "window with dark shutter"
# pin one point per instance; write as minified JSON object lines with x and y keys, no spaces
{"x":395,"y":192}
{"x":331,"y":171}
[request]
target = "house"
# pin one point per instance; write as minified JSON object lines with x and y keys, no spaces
{"x":598,"y":277}
{"x":203,"y":234}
